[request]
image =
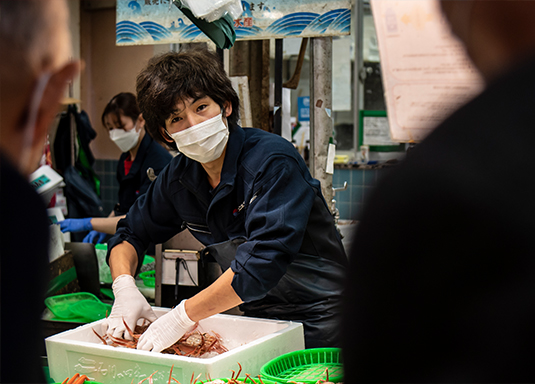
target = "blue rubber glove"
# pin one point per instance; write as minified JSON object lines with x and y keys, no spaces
{"x":76,"y":225}
{"x":94,"y":235}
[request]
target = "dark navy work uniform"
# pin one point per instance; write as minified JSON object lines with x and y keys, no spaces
{"x":292,"y":262}
{"x":150,"y":154}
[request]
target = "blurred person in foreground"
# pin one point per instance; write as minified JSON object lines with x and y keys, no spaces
{"x":34,"y":72}
{"x":442,"y":284}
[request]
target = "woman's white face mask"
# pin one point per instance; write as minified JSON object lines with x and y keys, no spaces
{"x":203,"y":142}
{"x":125,"y":140}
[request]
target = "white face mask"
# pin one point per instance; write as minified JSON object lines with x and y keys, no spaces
{"x":29,"y":129}
{"x":125,"y":140}
{"x":203,"y":142}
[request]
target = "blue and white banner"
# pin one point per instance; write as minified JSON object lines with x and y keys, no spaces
{"x":141,"y":22}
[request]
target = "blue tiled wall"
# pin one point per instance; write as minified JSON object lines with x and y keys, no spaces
{"x":360,"y":183}
{"x":109,"y":187}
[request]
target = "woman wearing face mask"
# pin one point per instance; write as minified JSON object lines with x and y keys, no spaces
{"x":126,"y":127}
{"x":244,"y":193}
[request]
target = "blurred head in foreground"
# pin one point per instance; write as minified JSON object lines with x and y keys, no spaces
{"x":34,"y":72}
{"x":496,"y":34}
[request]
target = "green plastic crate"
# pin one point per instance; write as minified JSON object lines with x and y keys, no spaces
{"x":148,"y":278}
{"x":305,"y":366}
{"x":246,"y":380}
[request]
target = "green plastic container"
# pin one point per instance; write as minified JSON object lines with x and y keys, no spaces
{"x":245,"y":380}
{"x":80,"y":306}
{"x":148,"y":278}
{"x":86,"y":382}
{"x":305,"y":366}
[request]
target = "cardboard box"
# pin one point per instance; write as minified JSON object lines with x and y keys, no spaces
{"x":251,"y":342}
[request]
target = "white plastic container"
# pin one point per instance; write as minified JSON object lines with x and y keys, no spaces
{"x":46,"y":182}
{"x":251,"y":342}
{"x":211,"y":10}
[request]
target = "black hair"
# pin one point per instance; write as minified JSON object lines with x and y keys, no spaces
{"x":124,"y":103}
{"x":175,"y":76}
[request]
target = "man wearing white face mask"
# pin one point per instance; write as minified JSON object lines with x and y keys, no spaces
{"x":126,"y":127}
{"x":34,"y":72}
{"x":244,"y":193}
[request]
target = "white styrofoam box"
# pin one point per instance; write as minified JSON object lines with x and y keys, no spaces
{"x":251,"y":342}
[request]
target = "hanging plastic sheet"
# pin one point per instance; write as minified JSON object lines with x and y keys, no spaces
{"x":220,"y":31}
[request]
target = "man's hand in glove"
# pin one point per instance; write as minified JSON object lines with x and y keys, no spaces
{"x":167,"y":330}
{"x":129,"y":306}
{"x":76,"y":225}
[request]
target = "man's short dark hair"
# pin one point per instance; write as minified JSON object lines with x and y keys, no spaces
{"x":176,"y":76}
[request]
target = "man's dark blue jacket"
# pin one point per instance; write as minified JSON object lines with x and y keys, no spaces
{"x":292,"y":262}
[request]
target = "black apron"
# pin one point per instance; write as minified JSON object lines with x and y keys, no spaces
{"x":320,"y":317}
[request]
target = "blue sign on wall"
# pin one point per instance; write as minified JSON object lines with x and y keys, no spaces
{"x":303,"y":108}
{"x":144,"y":22}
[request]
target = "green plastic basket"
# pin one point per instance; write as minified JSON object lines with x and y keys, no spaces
{"x":79,"y":306}
{"x":246,"y":380}
{"x":85,"y":382}
{"x":306,"y":366}
{"x":148,"y":278}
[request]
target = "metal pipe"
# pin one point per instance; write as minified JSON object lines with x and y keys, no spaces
{"x":321,"y":123}
{"x":358,"y":65}
{"x":277,"y":107}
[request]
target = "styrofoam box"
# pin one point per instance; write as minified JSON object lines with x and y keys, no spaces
{"x":252,"y":342}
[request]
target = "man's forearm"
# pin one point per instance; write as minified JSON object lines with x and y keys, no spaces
{"x":106,"y":224}
{"x":217,"y":298}
{"x":123,"y":260}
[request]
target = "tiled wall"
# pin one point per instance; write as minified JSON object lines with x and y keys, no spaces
{"x":360,"y":183}
{"x":109,"y":187}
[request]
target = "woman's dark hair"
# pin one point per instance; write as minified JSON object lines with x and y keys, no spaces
{"x":176,"y":76}
{"x":124,"y":103}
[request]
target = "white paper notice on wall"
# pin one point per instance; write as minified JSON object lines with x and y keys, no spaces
{"x":376,"y":131}
{"x":426,"y":72}
{"x":330,"y":159}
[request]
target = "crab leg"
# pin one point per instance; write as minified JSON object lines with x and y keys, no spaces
{"x":81,"y":379}
{"x":197,"y":378}
{"x":150,"y":378}
{"x":100,"y":337}
{"x":135,"y":337}
{"x":170,"y":374}
{"x":247,"y":376}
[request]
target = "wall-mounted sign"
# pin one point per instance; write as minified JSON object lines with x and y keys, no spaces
{"x":303,"y":108}
{"x":142,"y":22}
{"x":374,"y":132}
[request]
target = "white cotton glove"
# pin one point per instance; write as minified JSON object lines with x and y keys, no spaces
{"x":129,"y":305}
{"x":167,"y":330}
